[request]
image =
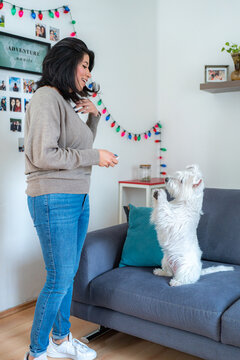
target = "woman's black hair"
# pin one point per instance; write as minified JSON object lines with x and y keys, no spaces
{"x":59,"y":67}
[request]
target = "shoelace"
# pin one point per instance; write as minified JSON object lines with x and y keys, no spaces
{"x":81,"y":347}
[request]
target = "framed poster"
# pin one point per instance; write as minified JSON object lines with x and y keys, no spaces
{"x":22,"y":54}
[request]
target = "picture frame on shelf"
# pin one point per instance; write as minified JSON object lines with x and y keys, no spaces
{"x":216,"y":73}
{"x":22,"y":54}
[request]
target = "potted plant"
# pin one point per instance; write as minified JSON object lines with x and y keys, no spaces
{"x":234,"y":50}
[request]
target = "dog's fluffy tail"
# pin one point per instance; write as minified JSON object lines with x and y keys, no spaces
{"x":213,"y":269}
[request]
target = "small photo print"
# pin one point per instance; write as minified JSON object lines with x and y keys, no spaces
{"x":26,"y":102}
{"x":21,"y":144}
{"x":216,"y":73}
{"x":15,"y":125}
{"x":54,"y":34}
{"x":14,"y":84}
{"x":2,"y":20}
{"x":3,"y":103}
{"x":29,"y":86}
{"x":40,"y":30}
{"x":15,"y":104}
{"x":2,"y":85}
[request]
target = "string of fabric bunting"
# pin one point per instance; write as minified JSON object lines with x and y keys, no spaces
{"x":154,"y":130}
{"x":52,"y":13}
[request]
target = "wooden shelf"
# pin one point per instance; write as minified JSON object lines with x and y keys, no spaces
{"x":220,"y":87}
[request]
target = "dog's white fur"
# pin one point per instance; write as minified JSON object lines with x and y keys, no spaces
{"x":176,"y":224}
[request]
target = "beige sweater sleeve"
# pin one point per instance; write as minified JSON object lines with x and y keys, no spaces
{"x":41,"y":142}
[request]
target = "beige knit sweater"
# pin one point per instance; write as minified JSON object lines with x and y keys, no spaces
{"x":58,"y":146}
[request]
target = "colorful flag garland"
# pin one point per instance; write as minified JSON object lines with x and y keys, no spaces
{"x":52,"y":13}
{"x":154,"y":130}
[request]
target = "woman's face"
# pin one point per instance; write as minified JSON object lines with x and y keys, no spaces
{"x":17,"y":102}
{"x":82,"y":73}
{"x":12,"y":102}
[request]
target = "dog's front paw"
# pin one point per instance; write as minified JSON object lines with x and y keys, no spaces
{"x":162,"y":195}
{"x":155,"y":194}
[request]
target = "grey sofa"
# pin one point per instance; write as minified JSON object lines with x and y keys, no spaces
{"x":202,"y":319}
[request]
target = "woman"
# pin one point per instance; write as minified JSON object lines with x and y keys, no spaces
{"x":38,"y":30}
{"x":43,"y":32}
{"x":52,"y":37}
{"x":3,"y":104}
{"x":18,"y":107}
{"x":12,"y":104}
{"x":59,"y":157}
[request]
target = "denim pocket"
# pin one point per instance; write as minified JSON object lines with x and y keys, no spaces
{"x":38,"y":208}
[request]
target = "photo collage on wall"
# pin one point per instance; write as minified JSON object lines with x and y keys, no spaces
{"x":47,"y":32}
{"x":41,"y":30}
{"x":15,"y":94}
{"x":16,"y":87}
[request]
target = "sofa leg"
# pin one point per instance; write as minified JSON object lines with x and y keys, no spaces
{"x":95,"y":334}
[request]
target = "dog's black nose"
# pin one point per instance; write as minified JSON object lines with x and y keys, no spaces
{"x":155,"y":194}
{"x":166,"y":179}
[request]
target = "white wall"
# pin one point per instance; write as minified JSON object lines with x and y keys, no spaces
{"x":150,"y":59}
{"x":21,"y":266}
{"x":200,"y":127}
{"x":123,"y":37}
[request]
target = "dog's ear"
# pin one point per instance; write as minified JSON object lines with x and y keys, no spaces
{"x":197,"y":184}
{"x":194,"y":168}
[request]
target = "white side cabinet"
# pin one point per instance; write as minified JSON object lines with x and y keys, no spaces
{"x":148,"y":187}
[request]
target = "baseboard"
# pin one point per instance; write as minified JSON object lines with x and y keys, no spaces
{"x":17,"y":308}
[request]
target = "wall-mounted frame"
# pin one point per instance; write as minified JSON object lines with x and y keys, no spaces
{"x":22,"y":54}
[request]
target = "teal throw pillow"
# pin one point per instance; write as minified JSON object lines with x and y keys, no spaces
{"x":141,"y":247}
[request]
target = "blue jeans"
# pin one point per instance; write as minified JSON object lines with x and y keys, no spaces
{"x":61,"y":221}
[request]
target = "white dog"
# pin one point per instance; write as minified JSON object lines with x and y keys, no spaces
{"x":176,"y":224}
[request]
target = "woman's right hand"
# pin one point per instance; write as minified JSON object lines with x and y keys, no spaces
{"x":107,"y":158}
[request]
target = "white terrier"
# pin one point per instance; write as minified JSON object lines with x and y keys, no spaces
{"x":176,"y":225}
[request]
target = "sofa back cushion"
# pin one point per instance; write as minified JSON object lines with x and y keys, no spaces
{"x":219,"y":227}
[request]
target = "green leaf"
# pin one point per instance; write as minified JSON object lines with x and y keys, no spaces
{"x":227,"y":43}
{"x":228,"y":50}
{"x":223,"y":49}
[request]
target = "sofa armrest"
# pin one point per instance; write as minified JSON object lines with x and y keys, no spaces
{"x":101,"y":252}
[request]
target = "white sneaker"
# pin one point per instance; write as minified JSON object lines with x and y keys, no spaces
{"x":41,"y":357}
{"x":73,"y":349}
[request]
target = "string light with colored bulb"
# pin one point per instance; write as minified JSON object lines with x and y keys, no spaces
{"x":128,"y":134}
{"x":53,"y":13}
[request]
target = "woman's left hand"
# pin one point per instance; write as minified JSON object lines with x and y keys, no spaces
{"x":87,"y":107}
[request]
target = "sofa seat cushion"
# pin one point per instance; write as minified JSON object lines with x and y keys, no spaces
{"x":230,"y":332}
{"x":196,"y":308}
